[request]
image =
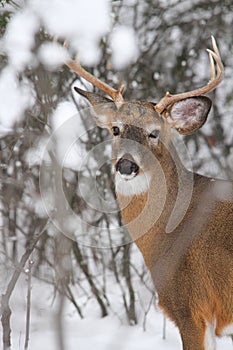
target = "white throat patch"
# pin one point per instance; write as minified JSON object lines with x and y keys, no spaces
{"x":228,"y":330}
{"x":139,"y":184}
{"x":210,"y":343}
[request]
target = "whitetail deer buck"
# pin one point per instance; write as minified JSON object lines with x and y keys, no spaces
{"x":192,"y":265}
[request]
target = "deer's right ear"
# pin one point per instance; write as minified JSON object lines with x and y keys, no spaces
{"x":104,"y":108}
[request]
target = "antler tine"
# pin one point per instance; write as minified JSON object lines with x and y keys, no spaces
{"x":217,"y":75}
{"x":75,"y":66}
{"x":212,"y":67}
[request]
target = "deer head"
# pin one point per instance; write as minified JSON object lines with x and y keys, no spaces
{"x":140,"y":126}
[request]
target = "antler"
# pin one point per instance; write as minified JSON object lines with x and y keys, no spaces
{"x":79,"y":70}
{"x":217,"y":75}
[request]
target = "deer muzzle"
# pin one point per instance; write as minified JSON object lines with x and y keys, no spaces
{"x":127,"y":167}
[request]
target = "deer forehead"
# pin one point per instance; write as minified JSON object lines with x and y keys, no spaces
{"x":139,"y":114}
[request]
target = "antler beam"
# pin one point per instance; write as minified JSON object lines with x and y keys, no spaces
{"x":217,"y":75}
{"x":75,"y":66}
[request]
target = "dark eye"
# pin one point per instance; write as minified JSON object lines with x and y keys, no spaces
{"x":115,"y":130}
{"x":154,"y":134}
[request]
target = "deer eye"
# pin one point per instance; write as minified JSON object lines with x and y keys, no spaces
{"x":154,"y":134}
{"x":115,"y":130}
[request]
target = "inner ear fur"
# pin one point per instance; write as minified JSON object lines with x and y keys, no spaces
{"x":104,"y":108}
{"x":187,"y":116}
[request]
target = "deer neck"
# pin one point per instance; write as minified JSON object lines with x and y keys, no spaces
{"x":150,"y":215}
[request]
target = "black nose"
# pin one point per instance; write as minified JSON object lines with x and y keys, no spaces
{"x":126,"y":166}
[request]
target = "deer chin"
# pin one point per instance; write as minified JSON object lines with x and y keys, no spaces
{"x":133,"y":184}
{"x":127,"y":177}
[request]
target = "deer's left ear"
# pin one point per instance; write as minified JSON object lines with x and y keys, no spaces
{"x":187,"y":116}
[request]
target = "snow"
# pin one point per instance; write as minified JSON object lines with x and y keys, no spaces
{"x":36,"y":154}
{"x":91,"y":332}
{"x":67,"y":129}
{"x":64,"y":138}
{"x":82,"y":23}
{"x":15,"y":98}
{"x":52,"y":55}
{"x":19,"y":39}
{"x":124,"y":47}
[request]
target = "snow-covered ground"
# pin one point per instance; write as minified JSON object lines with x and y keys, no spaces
{"x":91,"y":332}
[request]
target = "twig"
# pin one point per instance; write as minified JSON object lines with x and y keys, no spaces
{"x":5,"y":308}
{"x":28,"y":313}
{"x":60,"y":338}
{"x":147,"y":311}
{"x":164,"y":327}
